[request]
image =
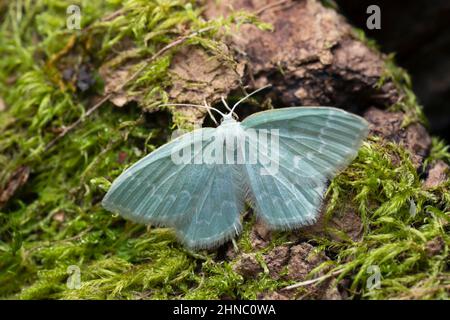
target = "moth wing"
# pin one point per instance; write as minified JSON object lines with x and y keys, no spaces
{"x":314,"y":143}
{"x":201,"y":201}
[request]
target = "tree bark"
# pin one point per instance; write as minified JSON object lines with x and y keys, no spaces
{"x":312,"y":57}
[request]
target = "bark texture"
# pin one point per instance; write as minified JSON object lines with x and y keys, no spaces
{"x":311,"y":57}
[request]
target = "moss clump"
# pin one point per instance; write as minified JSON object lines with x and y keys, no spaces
{"x":400,"y":219}
{"x":55,"y":221}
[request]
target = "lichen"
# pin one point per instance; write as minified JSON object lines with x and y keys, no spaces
{"x":55,"y":221}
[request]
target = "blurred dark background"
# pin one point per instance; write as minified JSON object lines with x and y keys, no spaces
{"x":419,"y":33}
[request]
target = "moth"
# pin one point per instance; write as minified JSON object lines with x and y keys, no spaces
{"x":277,"y":161}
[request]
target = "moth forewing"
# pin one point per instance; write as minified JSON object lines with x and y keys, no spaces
{"x":268,"y":151}
{"x":192,"y":185}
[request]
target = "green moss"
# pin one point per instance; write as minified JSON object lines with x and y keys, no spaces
{"x":439,"y":151}
{"x":407,"y":101}
{"x":361,"y":36}
{"x":384,"y":184}
{"x":55,"y":221}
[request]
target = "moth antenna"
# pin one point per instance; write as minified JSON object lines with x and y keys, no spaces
{"x":249,"y":95}
{"x":210,"y":113}
{"x":192,"y":105}
{"x":225,"y":104}
{"x":231,"y":111}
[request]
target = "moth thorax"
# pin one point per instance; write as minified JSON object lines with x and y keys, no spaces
{"x":230,"y":133}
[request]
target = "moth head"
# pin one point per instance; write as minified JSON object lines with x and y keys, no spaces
{"x":228,"y":118}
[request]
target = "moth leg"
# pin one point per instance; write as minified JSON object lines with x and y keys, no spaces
{"x":235,"y":246}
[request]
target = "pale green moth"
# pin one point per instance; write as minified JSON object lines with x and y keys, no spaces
{"x":278,"y":161}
